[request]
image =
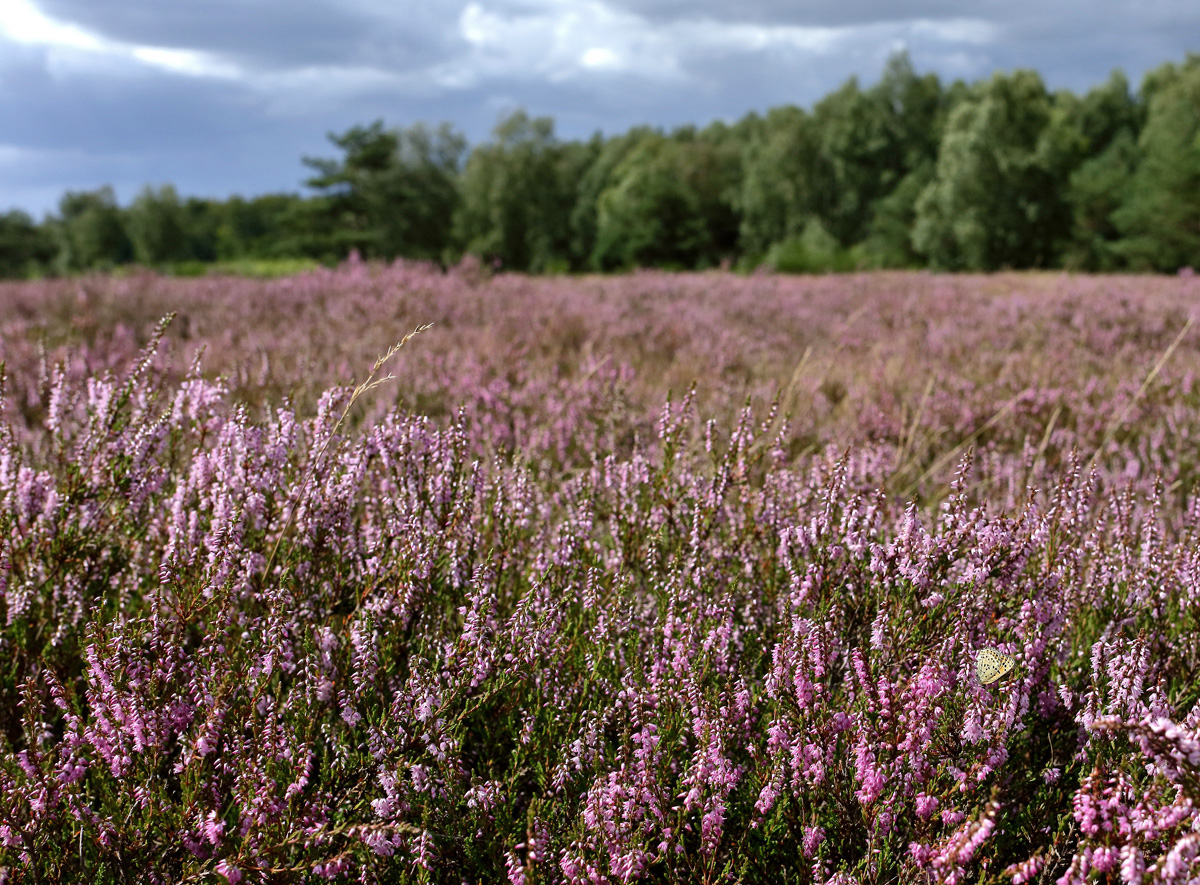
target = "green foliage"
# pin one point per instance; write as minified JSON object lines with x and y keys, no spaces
{"x":1160,"y":218}
{"x":91,"y":231}
{"x":815,"y":250}
{"x":916,"y":108}
{"x":994,"y":201}
{"x":1107,"y":112}
{"x":860,"y":158}
{"x":781,"y":183}
{"x":394,"y":193}
{"x":1096,"y":191}
{"x":26,"y":249}
{"x":262,"y":227}
{"x":909,"y":114}
{"x":157,"y":223}
{"x":517,"y":194}
{"x":604,"y":157}
{"x":166,"y":230}
{"x":889,"y":236}
{"x":267,"y":268}
{"x":840,"y":162}
{"x":202,"y":222}
{"x":670,"y":205}
{"x":1105,"y":124}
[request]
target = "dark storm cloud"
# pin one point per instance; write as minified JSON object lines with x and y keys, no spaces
{"x":223,"y":96}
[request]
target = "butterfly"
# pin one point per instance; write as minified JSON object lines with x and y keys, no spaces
{"x":990,"y":665}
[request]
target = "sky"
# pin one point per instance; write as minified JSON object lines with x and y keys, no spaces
{"x":223,"y":97}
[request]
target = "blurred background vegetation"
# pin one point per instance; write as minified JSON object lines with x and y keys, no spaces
{"x":1001,"y":174}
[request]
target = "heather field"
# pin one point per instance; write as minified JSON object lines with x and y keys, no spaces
{"x":656,"y":577}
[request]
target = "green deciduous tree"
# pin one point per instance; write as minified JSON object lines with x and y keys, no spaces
{"x":1096,"y":147}
{"x":915,"y":110}
{"x":257,"y":227}
{"x":26,"y":248}
{"x":202,"y":223}
{"x":993,"y":202}
{"x":517,"y":195}
{"x":600,"y":175}
{"x":158,"y":226}
{"x":783,"y":182}
{"x":394,"y":192}
{"x":91,"y":231}
{"x":1160,"y":216}
{"x":861,"y":158}
{"x":670,"y":204}
{"x":916,"y":107}
{"x":889,"y":241}
{"x":836,"y":165}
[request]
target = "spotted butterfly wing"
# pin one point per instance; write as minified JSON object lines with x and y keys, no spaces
{"x":991,"y":664}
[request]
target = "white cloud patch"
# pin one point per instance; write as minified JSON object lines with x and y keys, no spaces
{"x":185,"y":61}
{"x":557,"y":40}
{"x":11,"y":154}
{"x":554,"y":41}
{"x":300,"y":91}
{"x":601,"y":57}
{"x":958,"y":30}
{"x":22,"y":22}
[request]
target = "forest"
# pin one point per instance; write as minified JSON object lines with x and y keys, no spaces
{"x":908,"y":173}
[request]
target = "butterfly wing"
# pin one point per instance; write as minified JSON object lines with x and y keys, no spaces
{"x":991,"y":665}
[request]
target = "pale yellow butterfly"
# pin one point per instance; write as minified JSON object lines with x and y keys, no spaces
{"x":991,"y":664}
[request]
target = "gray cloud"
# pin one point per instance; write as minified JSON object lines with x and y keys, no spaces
{"x":820,"y":13}
{"x":276,"y":34}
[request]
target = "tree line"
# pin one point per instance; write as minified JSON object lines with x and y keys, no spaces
{"x":907,"y":173}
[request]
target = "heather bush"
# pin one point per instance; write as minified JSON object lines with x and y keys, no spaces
{"x":261,"y":624}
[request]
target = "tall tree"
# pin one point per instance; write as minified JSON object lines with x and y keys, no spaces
{"x":993,"y":203}
{"x":1160,"y":217}
{"x":1104,"y":154}
{"x":784,"y":180}
{"x":395,"y":191}
{"x":91,"y":231}
{"x":26,"y":248}
{"x":889,"y":241}
{"x":915,"y":109}
{"x":202,"y":222}
{"x":670,"y":204}
{"x":256,"y":227}
{"x":157,"y":224}
{"x":517,"y":193}
{"x":830,"y":170}
{"x":862,"y":156}
{"x":595,"y":179}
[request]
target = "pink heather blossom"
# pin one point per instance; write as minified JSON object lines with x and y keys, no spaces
{"x":212,"y":828}
{"x":926,"y":806}
{"x":813,"y":836}
{"x":1025,"y":871}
